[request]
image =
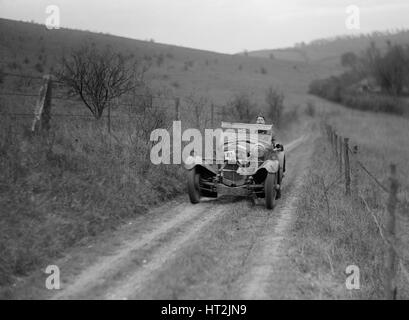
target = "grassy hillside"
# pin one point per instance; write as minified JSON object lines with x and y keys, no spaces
{"x":31,"y":48}
{"x":328,"y":51}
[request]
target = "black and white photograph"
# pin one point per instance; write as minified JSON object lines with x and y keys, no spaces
{"x":204,"y":154}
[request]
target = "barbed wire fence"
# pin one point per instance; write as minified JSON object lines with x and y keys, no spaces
{"x":349,"y":167}
{"x":42,"y":114}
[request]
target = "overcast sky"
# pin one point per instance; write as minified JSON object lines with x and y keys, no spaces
{"x":227,"y":26}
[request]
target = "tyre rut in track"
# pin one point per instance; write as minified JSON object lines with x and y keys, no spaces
{"x":267,"y":275}
{"x":95,"y":280}
{"x":208,"y":250}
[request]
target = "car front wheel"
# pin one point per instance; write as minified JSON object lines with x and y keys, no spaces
{"x":193,"y":186}
{"x":270,"y":190}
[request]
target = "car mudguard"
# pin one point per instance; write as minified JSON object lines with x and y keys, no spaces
{"x":192,"y":162}
{"x":271,"y":166}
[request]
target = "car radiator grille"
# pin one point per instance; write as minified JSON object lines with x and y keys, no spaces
{"x":229,"y":173}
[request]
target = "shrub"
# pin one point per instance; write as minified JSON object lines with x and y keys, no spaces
{"x":310,"y":110}
{"x":159,"y":59}
{"x":274,"y":100}
{"x":242,"y":107}
{"x":349,"y":60}
{"x":375,"y":103}
{"x":39,"y":67}
{"x":327,"y":88}
{"x":14,"y":65}
{"x":188,"y":64}
{"x":390,"y":69}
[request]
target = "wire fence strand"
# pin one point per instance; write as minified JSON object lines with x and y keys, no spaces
{"x":363,"y":167}
{"x":386,"y":241}
{"x":396,"y":249}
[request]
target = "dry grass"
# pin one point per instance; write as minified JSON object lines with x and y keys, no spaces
{"x":331,"y":232}
{"x":331,"y":235}
{"x":382,"y":140}
{"x":58,"y":189}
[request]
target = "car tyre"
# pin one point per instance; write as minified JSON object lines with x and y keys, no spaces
{"x":193,"y":188}
{"x":270,"y":190}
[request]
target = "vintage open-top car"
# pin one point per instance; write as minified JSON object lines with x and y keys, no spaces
{"x":253,"y":165}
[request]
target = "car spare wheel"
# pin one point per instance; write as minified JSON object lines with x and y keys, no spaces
{"x":270,"y":190}
{"x":193,"y":186}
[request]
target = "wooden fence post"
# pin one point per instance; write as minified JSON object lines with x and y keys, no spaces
{"x":354,"y":168}
{"x":330,"y":136}
{"x":212,"y":114}
{"x":328,"y":133}
{"x":42,"y":112}
{"x":336,"y":146}
{"x":340,"y":154}
{"x":109,"y":118}
{"x":177,"y":111}
{"x":391,"y":260}
{"x":347,"y":168}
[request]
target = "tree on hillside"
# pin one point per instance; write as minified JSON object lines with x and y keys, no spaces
{"x":243,"y":107}
{"x":390,"y":70}
{"x":349,"y":60}
{"x":274,"y":100}
{"x":98,"y":76}
{"x":197,"y":105}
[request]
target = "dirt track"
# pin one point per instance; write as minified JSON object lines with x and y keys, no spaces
{"x":222,"y":249}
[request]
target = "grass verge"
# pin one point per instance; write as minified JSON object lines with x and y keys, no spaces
{"x":60,"y":189}
{"x":331,"y":232}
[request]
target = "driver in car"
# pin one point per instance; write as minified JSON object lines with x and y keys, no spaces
{"x":261,"y":120}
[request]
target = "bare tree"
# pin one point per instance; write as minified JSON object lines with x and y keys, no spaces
{"x":98,"y":76}
{"x":149,"y":116}
{"x":349,"y":60}
{"x":242,"y":106}
{"x":274,"y":100}
{"x":198,"y":105}
{"x":390,"y":69}
{"x":1,"y":76}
